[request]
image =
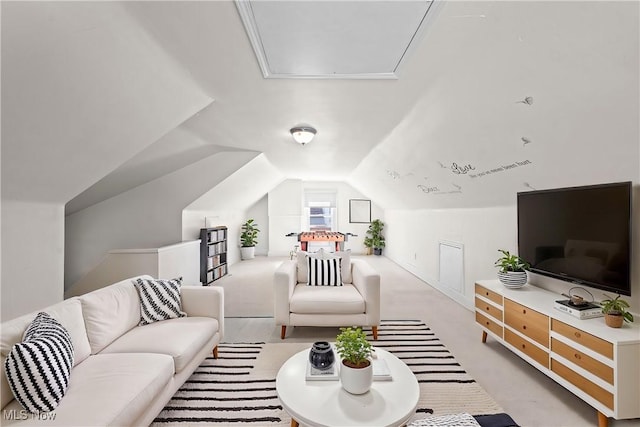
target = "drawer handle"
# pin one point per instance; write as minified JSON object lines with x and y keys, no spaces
{"x":577,"y":356}
{"x":487,"y":323}
{"x":524,"y":327}
{"x":487,"y":308}
{"x":577,"y":334}
{"x":486,"y":293}
{"x":524,"y":311}
{"x":523,"y":346}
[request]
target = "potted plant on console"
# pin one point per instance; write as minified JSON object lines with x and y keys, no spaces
{"x":375,"y":239}
{"x":615,"y":311}
{"x":356,"y":370}
{"x":513,"y":270}
{"x":248,"y":239}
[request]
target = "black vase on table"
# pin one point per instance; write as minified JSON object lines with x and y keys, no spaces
{"x":321,"y":355}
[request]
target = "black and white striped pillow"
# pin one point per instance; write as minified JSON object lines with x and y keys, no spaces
{"x":38,"y":369}
{"x":323,"y":272}
{"x":159,"y":300}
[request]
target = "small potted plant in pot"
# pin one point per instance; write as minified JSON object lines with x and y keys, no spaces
{"x":375,"y":239}
{"x":248,"y":239}
{"x":513,"y":269}
{"x":615,"y":311}
{"x":356,"y":370}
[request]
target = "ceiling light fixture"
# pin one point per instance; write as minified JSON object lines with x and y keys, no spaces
{"x":303,"y":134}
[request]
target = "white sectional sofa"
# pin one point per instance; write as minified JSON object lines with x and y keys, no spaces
{"x":123,"y":374}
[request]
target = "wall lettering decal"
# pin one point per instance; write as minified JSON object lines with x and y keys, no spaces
{"x":428,"y":190}
{"x":525,"y":140}
{"x":436,"y":190}
{"x":501,"y":169}
{"x":461,"y":169}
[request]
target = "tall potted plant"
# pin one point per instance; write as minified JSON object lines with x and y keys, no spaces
{"x":356,"y":371}
{"x":374,"y":239}
{"x":513,"y":269}
{"x":249,"y":239}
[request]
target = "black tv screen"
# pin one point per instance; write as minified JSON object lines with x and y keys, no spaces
{"x":579,"y":234}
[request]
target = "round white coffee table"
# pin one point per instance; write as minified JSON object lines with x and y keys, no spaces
{"x":326,"y":403}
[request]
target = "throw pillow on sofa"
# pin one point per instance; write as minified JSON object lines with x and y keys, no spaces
{"x":38,"y":368}
{"x":159,"y":299}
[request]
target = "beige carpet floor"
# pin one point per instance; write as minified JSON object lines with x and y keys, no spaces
{"x":239,"y":387}
{"x":526,"y":394}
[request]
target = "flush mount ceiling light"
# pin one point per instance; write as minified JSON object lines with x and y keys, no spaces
{"x":303,"y":134}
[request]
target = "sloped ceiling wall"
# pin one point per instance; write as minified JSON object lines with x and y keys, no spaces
{"x":84,"y":89}
{"x":513,"y":96}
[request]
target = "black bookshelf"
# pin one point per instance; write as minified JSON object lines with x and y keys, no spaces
{"x":213,"y":254}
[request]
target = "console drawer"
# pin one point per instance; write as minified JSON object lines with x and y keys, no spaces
{"x":527,"y":321}
{"x":481,"y":290}
{"x":489,"y":324}
{"x":531,"y":350}
{"x":593,"y":390}
{"x":596,"y":344}
{"x":489,"y":309}
{"x":588,"y":363}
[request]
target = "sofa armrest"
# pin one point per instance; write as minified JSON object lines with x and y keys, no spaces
{"x":367,"y":280}
{"x":204,"y":301}
{"x":284,"y":282}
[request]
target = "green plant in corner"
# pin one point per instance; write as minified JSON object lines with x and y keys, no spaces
{"x":510,"y":262}
{"x":353,"y":347}
{"x":616,"y":307}
{"x":374,"y":238}
{"x":249,"y":235}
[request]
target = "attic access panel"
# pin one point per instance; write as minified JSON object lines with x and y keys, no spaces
{"x":332,"y":39}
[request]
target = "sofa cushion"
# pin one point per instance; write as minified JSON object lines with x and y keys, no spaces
{"x":345,"y":265}
{"x":323,"y":272}
{"x":159,"y":299}
{"x":179,"y":338}
{"x":39,"y":367}
{"x":326,"y":300}
{"x":110,"y":312}
{"x":109,"y":389}
{"x":68,"y":313}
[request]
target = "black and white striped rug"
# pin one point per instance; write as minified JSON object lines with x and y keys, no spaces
{"x":239,"y":388}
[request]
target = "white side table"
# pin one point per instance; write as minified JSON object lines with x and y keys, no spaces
{"x":327,"y":404}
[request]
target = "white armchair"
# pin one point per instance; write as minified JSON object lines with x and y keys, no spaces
{"x":355,"y":303}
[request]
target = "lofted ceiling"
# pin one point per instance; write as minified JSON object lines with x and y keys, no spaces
{"x":101,"y":97}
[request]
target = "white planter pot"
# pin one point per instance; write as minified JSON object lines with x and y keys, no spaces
{"x":356,"y":381}
{"x":513,"y":279}
{"x":248,"y":252}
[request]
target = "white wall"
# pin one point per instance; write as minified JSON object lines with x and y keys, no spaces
{"x":147,"y":216}
{"x":413,"y":240}
{"x":32,"y":256}
{"x":168,"y":262}
{"x":260,"y":213}
{"x":286,"y":209}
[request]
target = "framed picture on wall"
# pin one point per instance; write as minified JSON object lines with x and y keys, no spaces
{"x":359,"y":211}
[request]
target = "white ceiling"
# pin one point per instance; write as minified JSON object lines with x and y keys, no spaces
{"x":330,"y":39}
{"x":93,"y":92}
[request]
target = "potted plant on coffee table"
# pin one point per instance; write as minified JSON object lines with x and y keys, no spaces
{"x":513,"y":270}
{"x":356,"y":370}
{"x":615,"y":311}
{"x":249,"y":239}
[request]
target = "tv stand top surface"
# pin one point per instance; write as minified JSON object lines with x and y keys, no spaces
{"x":543,"y":301}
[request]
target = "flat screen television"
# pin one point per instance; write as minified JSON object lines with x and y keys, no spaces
{"x":579,"y":234}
